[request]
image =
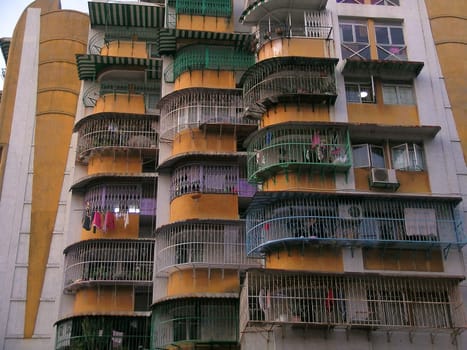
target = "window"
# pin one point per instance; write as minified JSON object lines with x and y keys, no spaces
{"x":398,"y":94}
{"x":390,"y":41}
{"x":355,"y":44}
{"x":408,"y":157}
{"x":367,"y":155}
{"x":359,"y":92}
{"x":385,"y":2}
{"x":350,"y":1}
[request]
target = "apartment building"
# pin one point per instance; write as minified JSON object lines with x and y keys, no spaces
{"x":228,"y":174}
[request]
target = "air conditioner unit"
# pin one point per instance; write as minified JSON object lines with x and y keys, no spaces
{"x":384,"y":178}
{"x":350,"y":211}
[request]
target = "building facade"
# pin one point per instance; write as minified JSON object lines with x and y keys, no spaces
{"x":229,"y":174}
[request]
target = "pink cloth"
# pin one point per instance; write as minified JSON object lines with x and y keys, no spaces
{"x":97,"y":220}
{"x":109,"y":221}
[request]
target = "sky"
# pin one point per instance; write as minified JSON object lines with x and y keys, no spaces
{"x":11,"y":10}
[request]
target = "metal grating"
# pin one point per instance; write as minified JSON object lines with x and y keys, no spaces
{"x":208,"y":320}
{"x":297,"y":147}
{"x":202,"y":243}
{"x":109,"y":262}
{"x":217,"y":8}
{"x":329,"y":220}
{"x":372,"y":302}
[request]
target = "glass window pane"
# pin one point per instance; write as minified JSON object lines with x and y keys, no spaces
{"x":389,"y":95}
{"x":352,"y":93}
{"x":382,"y":36}
{"x":397,"y":36}
{"x":377,"y":157}
{"x":399,"y":157}
{"x":346,"y":32}
{"x":361,"y":34}
{"x":406,"y":95}
{"x":419,"y":158}
{"x":366,"y":94}
{"x":360,"y":156}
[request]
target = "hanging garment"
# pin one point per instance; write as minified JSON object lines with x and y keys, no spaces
{"x":127,"y":219}
{"x":109,"y":221}
{"x":96,"y":222}
{"x":329,"y":300}
{"x":87,"y":220}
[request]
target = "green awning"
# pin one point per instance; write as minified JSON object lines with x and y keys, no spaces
{"x":126,"y":14}
{"x":90,"y":65}
{"x":386,"y":69}
{"x":5,"y":46}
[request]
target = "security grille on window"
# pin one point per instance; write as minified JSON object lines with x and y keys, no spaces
{"x":355,"y":44}
{"x":366,"y":155}
{"x":390,"y":41}
{"x":398,"y":94}
{"x":359,"y":92}
{"x":385,"y":2}
{"x":408,"y":156}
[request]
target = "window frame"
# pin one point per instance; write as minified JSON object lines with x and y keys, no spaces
{"x":371,"y":98}
{"x":401,"y":53}
{"x":358,"y":49}
{"x":385,"y":2}
{"x":398,"y":94}
{"x":414,"y":157}
{"x":371,"y":160}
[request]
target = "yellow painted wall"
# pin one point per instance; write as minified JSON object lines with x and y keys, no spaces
{"x":201,"y":281}
{"x":383,"y":114}
{"x":137,"y":49}
{"x":291,"y":112}
{"x":206,"y":78}
{"x":113,"y":164}
{"x":302,"y":182}
{"x":204,"y":206}
{"x":122,"y":103}
{"x":103,"y":299}
{"x":120,"y":231}
{"x":410,"y":181}
{"x":452,"y":50}
{"x":62,"y":35}
{"x":198,"y":141}
{"x":301,"y":47}
{"x":310,"y":259}
{"x":205,"y":23}
{"x":403,"y":260}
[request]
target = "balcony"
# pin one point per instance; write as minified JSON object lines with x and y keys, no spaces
{"x":288,"y":80}
{"x":108,"y":262}
{"x":202,"y":243}
{"x":276,"y":220}
{"x":107,"y":131}
{"x":205,"y":108}
{"x":368,"y":302}
{"x":216,"y":8}
{"x":295,"y":147}
{"x":103,"y":332}
{"x":203,"y":321}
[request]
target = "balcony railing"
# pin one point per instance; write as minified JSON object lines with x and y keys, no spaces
{"x":277,"y":149}
{"x":103,"y":332}
{"x":191,"y":108}
{"x":211,"y":58}
{"x":405,"y":222}
{"x":371,"y":302}
{"x":208,"y":243}
{"x":208,"y":321}
{"x":108,"y":261}
{"x":218,"y":8}
{"x":116,"y":131}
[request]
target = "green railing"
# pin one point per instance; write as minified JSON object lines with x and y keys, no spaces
{"x":211,"y":58}
{"x":218,"y":8}
{"x":298,"y":148}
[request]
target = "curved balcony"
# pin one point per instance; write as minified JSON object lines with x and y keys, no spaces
{"x":104,"y":261}
{"x":276,"y":220}
{"x":298,"y":147}
{"x":286,"y":80}
{"x":103,"y":332}
{"x":202,"y":243}
{"x":353,"y":301}
{"x":201,"y":107}
{"x":116,"y":131}
{"x":199,"y":57}
{"x":203,"y":321}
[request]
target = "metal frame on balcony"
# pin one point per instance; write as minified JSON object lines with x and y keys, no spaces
{"x":217,"y":8}
{"x":206,"y":243}
{"x":372,"y":302}
{"x":276,"y":220}
{"x":102,"y":131}
{"x":103,"y":332}
{"x":209,"y":109}
{"x":298,"y":148}
{"x":288,"y":80}
{"x":204,"y":321}
{"x":108,"y":262}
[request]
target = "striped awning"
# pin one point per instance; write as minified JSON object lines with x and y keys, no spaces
{"x":90,"y":65}
{"x":140,"y":14}
{"x":386,"y":69}
{"x":257,"y":9}
{"x":168,"y":38}
{"x":5,"y":46}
